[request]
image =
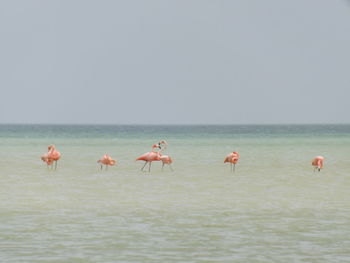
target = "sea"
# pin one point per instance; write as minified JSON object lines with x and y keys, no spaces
{"x":273,"y":208}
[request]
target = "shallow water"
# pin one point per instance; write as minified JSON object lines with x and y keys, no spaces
{"x":274,"y":208}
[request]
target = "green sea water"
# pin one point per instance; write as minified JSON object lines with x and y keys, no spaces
{"x":274,"y":208}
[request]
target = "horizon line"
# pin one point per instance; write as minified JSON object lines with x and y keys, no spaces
{"x":177,"y":124}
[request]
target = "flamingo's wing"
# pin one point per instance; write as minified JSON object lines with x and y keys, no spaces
{"x":227,"y":159}
{"x":143,"y":157}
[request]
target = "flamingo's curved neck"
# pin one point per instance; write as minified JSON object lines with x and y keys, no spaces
{"x":52,"y":149}
{"x":165,"y":145}
{"x":163,"y":149}
{"x":154,"y":149}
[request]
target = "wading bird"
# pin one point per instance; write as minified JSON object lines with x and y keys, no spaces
{"x":106,"y":160}
{"x":45,"y":158}
{"x":232,"y":158}
{"x":317,"y":163}
{"x":52,"y":156}
{"x":166,"y":159}
{"x":149,"y":157}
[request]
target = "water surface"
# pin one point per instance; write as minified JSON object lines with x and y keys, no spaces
{"x":274,"y":208}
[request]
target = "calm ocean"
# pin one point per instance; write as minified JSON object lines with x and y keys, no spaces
{"x":274,"y":208}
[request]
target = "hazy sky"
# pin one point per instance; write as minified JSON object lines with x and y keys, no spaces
{"x":171,"y":62}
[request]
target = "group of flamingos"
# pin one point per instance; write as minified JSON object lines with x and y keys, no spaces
{"x":155,"y":155}
{"x":52,"y":156}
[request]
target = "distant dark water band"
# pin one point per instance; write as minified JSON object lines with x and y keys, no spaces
{"x":81,"y":131}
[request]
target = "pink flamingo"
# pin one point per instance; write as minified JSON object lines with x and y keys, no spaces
{"x":166,"y":159}
{"x":149,"y":157}
{"x":317,"y":162}
{"x":45,"y":158}
{"x":53,"y":155}
{"x":232,"y":158}
{"x":106,"y":160}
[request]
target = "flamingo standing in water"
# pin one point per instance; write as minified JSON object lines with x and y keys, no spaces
{"x":317,"y":162}
{"x":166,"y":159}
{"x":45,"y":158}
{"x":232,"y":158}
{"x":53,"y":155}
{"x":149,"y":157}
{"x":106,"y":160}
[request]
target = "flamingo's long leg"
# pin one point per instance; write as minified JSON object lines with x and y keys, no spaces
{"x":162,"y":167}
{"x":55,"y":165}
{"x":234,"y":167}
{"x":143,"y":166}
{"x":149,"y":168}
{"x":231,"y":167}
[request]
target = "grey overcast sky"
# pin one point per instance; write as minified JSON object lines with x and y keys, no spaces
{"x":175,"y":62}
